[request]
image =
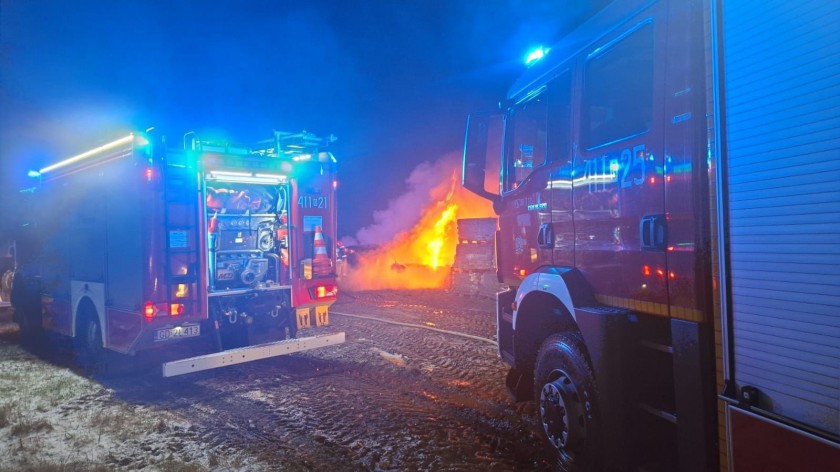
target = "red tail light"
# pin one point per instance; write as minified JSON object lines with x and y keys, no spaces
{"x":149,"y":310}
{"x":324,"y":291}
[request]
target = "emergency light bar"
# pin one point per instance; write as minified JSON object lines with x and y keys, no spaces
{"x":87,"y":154}
{"x":246,"y":177}
{"x":535,"y":55}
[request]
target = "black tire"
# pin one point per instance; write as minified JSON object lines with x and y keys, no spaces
{"x":89,"y":343}
{"x":564,"y":389}
{"x":291,"y":322}
{"x":27,"y":306}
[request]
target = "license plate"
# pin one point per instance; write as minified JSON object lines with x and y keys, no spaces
{"x":177,"y":332}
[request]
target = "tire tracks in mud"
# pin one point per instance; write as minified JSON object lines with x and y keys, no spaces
{"x":390,"y":398}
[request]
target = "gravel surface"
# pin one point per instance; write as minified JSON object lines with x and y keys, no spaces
{"x":416,"y":386}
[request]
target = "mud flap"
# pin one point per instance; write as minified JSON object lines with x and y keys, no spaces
{"x":520,"y":385}
{"x":303,"y":318}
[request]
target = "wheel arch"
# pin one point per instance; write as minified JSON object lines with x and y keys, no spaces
{"x":88,"y":298}
{"x":84,"y":308}
{"x":546,"y":304}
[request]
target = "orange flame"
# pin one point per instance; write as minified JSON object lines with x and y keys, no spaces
{"x":421,"y":257}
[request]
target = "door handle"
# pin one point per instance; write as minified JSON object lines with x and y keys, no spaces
{"x":653,"y":233}
{"x":545,"y":237}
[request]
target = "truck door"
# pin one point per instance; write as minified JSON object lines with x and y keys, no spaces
{"x":561,"y":238}
{"x":525,"y":216}
{"x":619,"y":215}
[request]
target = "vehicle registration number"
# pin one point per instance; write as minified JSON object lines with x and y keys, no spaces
{"x":177,"y":332}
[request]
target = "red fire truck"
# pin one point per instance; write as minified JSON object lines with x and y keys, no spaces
{"x":133,"y":245}
{"x":668,"y":193}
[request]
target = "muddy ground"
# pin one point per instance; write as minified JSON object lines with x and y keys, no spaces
{"x":393,"y":397}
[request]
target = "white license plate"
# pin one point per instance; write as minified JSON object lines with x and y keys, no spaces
{"x":177,"y":332}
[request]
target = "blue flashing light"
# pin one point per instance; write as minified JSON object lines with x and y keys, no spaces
{"x":33,"y":174}
{"x":535,"y":55}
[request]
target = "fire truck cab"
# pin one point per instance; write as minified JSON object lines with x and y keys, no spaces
{"x":133,"y":245}
{"x":666,"y":227}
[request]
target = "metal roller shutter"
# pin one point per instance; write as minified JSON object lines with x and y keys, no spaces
{"x":782,"y":91}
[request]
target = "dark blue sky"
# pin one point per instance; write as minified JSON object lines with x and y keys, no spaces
{"x":394,"y":80}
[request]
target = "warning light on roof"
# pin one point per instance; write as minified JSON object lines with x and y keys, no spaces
{"x":87,"y":154}
{"x":535,"y":55}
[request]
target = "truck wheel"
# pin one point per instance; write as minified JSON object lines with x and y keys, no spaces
{"x":291,"y":323}
{"x":564,"y":388}
{"x":89,"y":342}
{"x":28,"y":316}
{"x":31,"y":331}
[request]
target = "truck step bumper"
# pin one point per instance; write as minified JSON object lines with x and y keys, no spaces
{"x":248,"y":354}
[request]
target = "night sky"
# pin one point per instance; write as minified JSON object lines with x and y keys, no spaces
{"x":393,"y":80}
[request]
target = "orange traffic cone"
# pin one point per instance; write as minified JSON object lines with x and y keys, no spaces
{"x":321,"y":264}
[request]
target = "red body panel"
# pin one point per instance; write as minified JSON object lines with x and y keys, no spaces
{"x":123,"y":328}
{"x":761,"y":445}
{"x":312,"y":205}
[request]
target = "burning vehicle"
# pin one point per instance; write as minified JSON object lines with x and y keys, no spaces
{"x":420,"y":254}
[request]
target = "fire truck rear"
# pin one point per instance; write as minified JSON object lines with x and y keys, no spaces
{"x":133,"y":246}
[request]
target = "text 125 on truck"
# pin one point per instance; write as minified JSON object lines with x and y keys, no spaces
{"x":133,"y":246}
{"x":667,"y":180}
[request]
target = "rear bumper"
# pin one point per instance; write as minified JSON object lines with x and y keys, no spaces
{"x":249,"y":354}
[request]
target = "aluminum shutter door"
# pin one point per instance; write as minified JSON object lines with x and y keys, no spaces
{"x":782,"y":92}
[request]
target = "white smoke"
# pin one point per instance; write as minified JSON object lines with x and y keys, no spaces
{"x":423,"y":188}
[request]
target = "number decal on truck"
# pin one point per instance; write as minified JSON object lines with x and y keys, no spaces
{"x":633,"y":164}
{"x":308,"y":201}
{"x":628,"y":168}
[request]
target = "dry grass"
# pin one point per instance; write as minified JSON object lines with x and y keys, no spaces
{"x":6,"y":411}
{"x":68,"y":467}
{"x":52,"y":419}
{"x":27,"y":427}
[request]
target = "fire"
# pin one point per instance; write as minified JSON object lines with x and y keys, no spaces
{"x":439,"y":236}
{"x":421,"y":257}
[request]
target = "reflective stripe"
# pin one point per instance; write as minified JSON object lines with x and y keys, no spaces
{"x":653,"y":308}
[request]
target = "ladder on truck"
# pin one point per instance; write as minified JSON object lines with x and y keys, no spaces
{"x":180,"y":221}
